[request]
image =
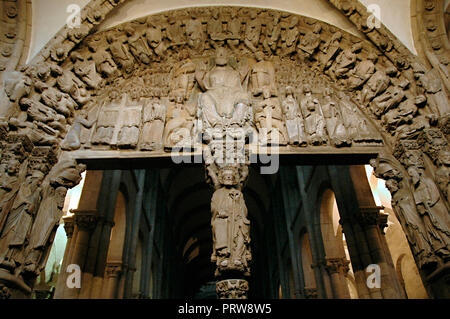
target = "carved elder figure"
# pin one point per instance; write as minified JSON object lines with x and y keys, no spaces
{"x":272,"y":34}
{"x":345,"y":62}
{"x":362,"y":72}
{"x":138,"y":46}
{"x":252,"y":32}
{"x":15,"y":86}
{"x":289,"y":38}
{"x":311,"y":41}
{"x":154,"y":37}
{"x":72,"y":139}
{"x":233,"y":36}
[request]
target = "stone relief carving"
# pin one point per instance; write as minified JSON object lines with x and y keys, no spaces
{"x":63,"y":176}
{"x":190,"y":50}
{"x":295,"y":124}
{"x":205,"y":85}
{"x":230,"y":224}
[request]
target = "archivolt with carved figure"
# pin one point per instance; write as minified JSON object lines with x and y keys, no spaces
{"x":177,"y":78}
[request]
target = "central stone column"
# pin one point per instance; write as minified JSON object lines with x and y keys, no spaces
{"x":230,"y":230}
{"x":226,"y":114}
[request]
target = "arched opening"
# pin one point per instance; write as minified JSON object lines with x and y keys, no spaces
{"x":335,"y":259}
{"x":136,"y":291}
{"x":310,"y":289}
{"x":126,"y":124}
{"x":114,"y":259}
{"x":406,"y":268}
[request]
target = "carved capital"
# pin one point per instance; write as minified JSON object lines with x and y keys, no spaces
{"x":5,"y":293}
{"x":310,"y":293}
{"x":85,"y":219}
{"x":232,"y":289}
{"x":114,"y":269}
{"x":336,"y":265}
{"x":69,"y":225}
{"x":372,"y":215}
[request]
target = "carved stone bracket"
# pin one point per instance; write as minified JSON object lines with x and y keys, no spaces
{"x":336,"y":265}
{"x":310,"y":293}
{"x":69,"y":225}
{"x":374,"y":216}
{"x":113,"y":269}
{"x":85,"y":219}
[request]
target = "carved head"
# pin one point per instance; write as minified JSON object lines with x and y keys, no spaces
{"x":373,"y":57}
{"x":312,"y":105}
{"x":337,"y":36}
{"x":266,"y":92}
{"x":151,"y":22}
{"x":307,"y":88}
{"x":60,"y":193}
{"x":129,"y":31}
{"x":16,"y":85}
{"x":356,"y":47}
{"x":392,"y":185}
{"x":221,"y":56}
{"x":328,"y":91}
{"x":259,"y":56}
{"x":444,"y":158}
{"x":276,"y":17}
{"x":110,"y":37}
{"x":289,"y":90}
{"x":12,"y":166}
{"x":317,"y":28}
{"x":215,"y":13}
{"x":415,"y":175}
{"x":418,"y":69}
{"x":228,"y":176}
{"x":293,"y":22}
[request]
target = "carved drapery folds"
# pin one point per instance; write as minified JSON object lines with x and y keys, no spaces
{"x":224,"y":73}
{"x":230,"y":226}
{"x":418,"y":203}
{"x":31,"y":210}
{"x":162,"y":73}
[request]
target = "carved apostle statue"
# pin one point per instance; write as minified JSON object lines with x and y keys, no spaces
{"x":294,"y":120}
{"x":230,"y":226}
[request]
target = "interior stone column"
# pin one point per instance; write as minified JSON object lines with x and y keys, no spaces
{"x":356,"y":258}
{"x":371,"y":220}
{"x":112,"y":275}
{"x":336,"y":267}
{"x":231,"y":231}
{"x":85,"y":221}
{"x":69,"y":228}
